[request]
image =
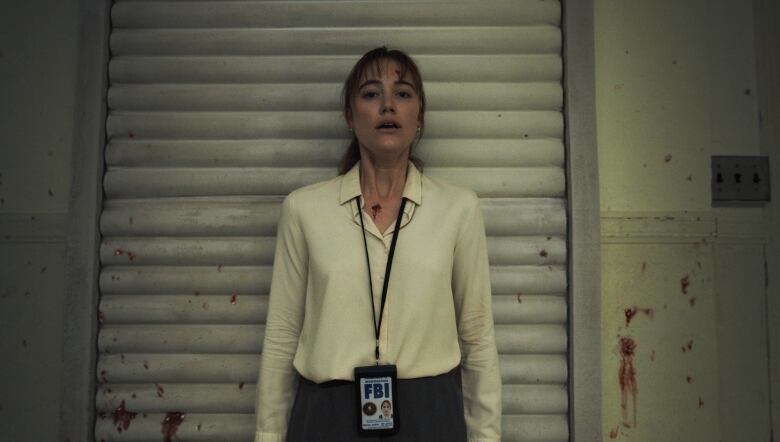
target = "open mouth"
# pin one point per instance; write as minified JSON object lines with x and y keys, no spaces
{"x":388,"y":125}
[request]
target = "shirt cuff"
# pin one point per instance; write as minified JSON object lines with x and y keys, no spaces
{"x":268,"y":437}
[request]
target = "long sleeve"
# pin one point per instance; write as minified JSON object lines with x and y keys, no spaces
{"x":277,"y":379}
{"x":479,"y":366}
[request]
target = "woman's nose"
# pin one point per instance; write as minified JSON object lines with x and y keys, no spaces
{"x":388,"y":105}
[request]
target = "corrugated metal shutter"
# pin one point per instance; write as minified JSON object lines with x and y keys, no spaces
{"x":220,"y":108}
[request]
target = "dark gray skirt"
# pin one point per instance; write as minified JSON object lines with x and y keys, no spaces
{"x":430,"y":409}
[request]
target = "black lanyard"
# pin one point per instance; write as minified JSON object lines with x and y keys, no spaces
{"x":387,"y":271}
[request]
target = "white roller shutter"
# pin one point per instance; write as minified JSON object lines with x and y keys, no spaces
{"x":217,"y":109}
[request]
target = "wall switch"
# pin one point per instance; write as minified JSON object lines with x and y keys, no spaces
{"x":740,"y":179}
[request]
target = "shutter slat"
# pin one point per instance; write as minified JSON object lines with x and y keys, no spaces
{"x":337,"y":41}
{"x":162,"y":338}
{"x":158,"y":182}
{"x":240,"y":428}
{"x":205,"y":280}
{"x":254,"y":250}
{"x":325,"y":97}
{"x":331,"y":68}
{"x":218,"y":309}
{"x":318,"y":125}
{"x":315,"y":153}
{"x":244,"y":216}
{"x":233,"y":14}
{"x":196,"y":427}
{"x":239,"y":398}
{"x":236,"y":368}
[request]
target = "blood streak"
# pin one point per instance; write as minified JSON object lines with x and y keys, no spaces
{"x":233,"y":298}
{"x":375,"y":210}
{"x":685,"y":282}
{"x":122,"y":417}
{"x":170,"y":424}
{"x":160,"y":390}
{"x":613,"y":434}
{"x":627,"y":378}
{"x":631,"y":313}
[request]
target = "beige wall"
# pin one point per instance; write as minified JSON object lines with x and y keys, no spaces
{"x":37,"y":86}
{"x":676,"y":84}
{"x":672,"y":81}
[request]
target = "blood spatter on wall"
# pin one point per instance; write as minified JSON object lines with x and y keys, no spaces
{"x":234,"y":298}
{"x":688,"y":346}
{"x":543,"y":253}
{"x":701,"y":402}
{"x":627,"y":378}
{"x":241,"y":386}
{"x":170,"y":424}
{"x":689,"y":379}
{"x":160,"y":390}
{"x":668,"y":158}
{"x":118,"y":252}
{"x":130,"y":256}
{"x":519,"y":297}
{"x":614,"y":433}
{"x":692,"y":301}
{"x":101,"y":317}
{"x":122,"y":417}
{"x":632,"y":312}
{"x":685,"y":282}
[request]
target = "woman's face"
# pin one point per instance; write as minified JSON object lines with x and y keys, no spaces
{"x":385,"y":111}
{"x":386,"y":408}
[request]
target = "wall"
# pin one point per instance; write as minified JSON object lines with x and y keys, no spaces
{"x":672,"y":82}
{"x":37,"y":85}
{"x":684,"y":323}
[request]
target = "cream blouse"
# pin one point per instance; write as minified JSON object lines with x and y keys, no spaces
{"x":438,"y":308}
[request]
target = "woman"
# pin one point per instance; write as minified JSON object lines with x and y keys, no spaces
{"x":380,"y":266}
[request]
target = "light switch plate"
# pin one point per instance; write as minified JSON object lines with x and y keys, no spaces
{"x":740,"y":179}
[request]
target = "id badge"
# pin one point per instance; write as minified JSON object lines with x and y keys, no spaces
{"x":377,"y":404}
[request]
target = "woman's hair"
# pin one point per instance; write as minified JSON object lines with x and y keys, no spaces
{"x":372,"y":60}
{"x":385,"y":402}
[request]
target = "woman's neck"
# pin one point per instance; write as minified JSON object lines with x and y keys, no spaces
{"x":382,"y":180}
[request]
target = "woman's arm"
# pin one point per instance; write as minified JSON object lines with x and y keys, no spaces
{"x":479,"y":364}
{"x":277,"y":379}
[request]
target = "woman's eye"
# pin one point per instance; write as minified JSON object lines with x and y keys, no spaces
{"x":369,"y":94}
{"x":404,"y":94}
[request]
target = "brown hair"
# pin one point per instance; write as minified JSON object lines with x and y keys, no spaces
{"x":371,"y":60}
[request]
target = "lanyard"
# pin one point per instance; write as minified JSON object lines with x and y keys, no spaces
{"x":387,"y":271}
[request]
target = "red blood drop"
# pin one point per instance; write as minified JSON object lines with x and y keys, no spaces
{"x":685,"y":282}
{"x":613,"y":434}
{"x":627,"y":379}
{"x":118,"y":252}
{"x":123,"y":417}
{"x":543,"y":253}
{"x":631,"y":312}
{"x":233,"y":298}
{"x":241,"y":386}
{"x":689,"y":379}
{"x":170,"y":424}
